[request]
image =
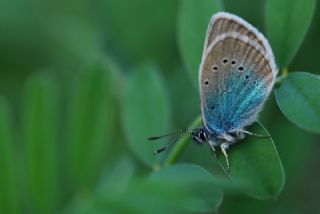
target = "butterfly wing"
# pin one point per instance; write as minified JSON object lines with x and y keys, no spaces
{"x":223,"y":22}
{"x":236,"y":75}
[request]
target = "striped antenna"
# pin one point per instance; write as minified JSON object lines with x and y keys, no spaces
{"x":170,"y":133}
{"x":172,"y":143}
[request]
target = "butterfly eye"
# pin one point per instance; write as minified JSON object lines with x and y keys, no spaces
{"x":202,"y":136}
{"x":240,"y":68}
{"x":233,"y":62}
{"x":206,"y":82}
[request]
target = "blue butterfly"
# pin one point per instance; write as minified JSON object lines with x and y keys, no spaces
{"x":236,"y":75}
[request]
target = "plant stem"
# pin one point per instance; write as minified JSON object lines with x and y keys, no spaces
{"x":283,"y":75}
{"x":181,"y":145}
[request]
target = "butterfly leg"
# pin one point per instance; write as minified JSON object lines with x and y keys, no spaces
{"x":239,"y":134}
{"x":212,"y":149}
{"x":224,"y":147}
{"x":253,"y":134}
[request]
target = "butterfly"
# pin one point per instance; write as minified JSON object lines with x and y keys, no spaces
{"x":236,"y":75}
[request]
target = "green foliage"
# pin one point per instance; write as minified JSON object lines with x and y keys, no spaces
{"x":192,"y":26}
{"x":299,"y":100}
{"x":145,"y":110}
{"x":287,"y":23}
{"x":201,"y":192}
{"x":74,"y":140}
{"x":141,"y":196}
{"x":293,"y":144}
{"x":90,"y":122}
{"x":8,"y":181}
{"x":116,"y":179}
{"x":140,"y":32}
{"x":255,"y":165}
{"x":40,"y":136}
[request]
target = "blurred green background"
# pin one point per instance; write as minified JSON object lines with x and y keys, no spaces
{"x":84,"y":83}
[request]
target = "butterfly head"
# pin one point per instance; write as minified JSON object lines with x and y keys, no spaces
{"x":200,"y":135}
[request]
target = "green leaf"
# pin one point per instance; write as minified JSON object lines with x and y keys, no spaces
{"x":300,"y":143}
{"x":299,"y":100}
{"x":175,"y":189}
{"x":142,"y":196}
{"x":40,"y":136}
{"x":287,"y":23}
{"x":8,"y":196}
{"x":112,"y":186}
{"x":145,"y":111}
{"x":91,"y":122}
{"x":123,"y":191}
{"x":255,"y":165}
{"x":201,"y":192}
{"x":193,"y":21}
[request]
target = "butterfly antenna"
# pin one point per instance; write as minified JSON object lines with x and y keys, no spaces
{"x":170,"y":133}
{"x":172,"y":143}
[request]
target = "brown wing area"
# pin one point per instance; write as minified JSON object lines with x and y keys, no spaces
{"x":230,"y":23}
{"x":243,"y":54}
